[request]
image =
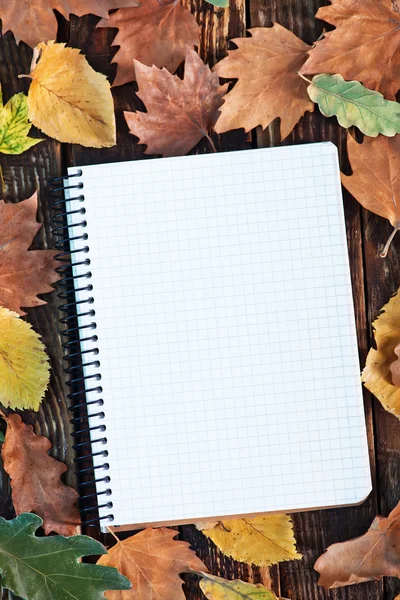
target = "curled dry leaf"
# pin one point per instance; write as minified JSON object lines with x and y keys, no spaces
{"x":217,"y":588}
{"x":33,"y":21}
{"x":14,"y":125}
{"x":152,"y":560}
{"x":24,"y":366}
{"x":364,"y":46}
{"x":180,"y":112}
{"x":375,"y":181}
{"x":154,"y":33}
{"x":371,"y":556}
{"x":263,"y":541}
{"x":24,"y":273}
{"x":36,"y":478}
{"x":376,"y":375}
{"x":268,"y":87}
{"x":68,"y":100}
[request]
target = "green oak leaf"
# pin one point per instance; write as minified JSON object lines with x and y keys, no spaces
{"x":14,"y":125}
{"x":217,"y":588}
{"x":223,"y":3}
{"x":354,"y":104}
{"x":47,"y":568}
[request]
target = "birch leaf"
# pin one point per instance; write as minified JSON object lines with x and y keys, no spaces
{"x":68,"y":100}
{"x":263,"y":541}
{"x":353,"y":104}
{"x":217,"y":588}
{"x":14,"y":125}
{"x":24,"y":365}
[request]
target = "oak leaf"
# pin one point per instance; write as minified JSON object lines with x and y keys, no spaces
{"x":375,"y":181}
{"x":371,"y":556}
{"x":268,"y":87}
{"x":152,"y":560}
{"x":354,"y":104}
{"x":263,"y":541}
{"x":377,"y":375}
{"x":14,"y":125}
{"x":23,"y":274}
{"x":24,"y":366}
{"x":154,"y":33}
{"x":33,"y":21}
{"x":180,"y":112}
{"x":68,"y":100}
{"x":364,"y":46}
{"x":217,"y":588}
{"x":36,"y":478}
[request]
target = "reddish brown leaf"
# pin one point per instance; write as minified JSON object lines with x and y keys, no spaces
{"x":371,"y":556}
{"x":268,"y":87}
{"x":23,"y":274}
{"x":155,"y":32}
{"x":152,"y":560}
{"x":179,"y":112}
{"x":34,"y":21}
{"x":35,"y":478}
{"x":364,"y":46}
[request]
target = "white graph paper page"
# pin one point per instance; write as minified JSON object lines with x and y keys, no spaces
{"x":226,"y":334}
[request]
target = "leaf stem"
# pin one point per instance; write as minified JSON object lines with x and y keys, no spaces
{"x":22,"y":76}
{"x":305,"y":78}
{"x":384,"y":252}
{"x":113,"y":534}
{"x":208,"y":138}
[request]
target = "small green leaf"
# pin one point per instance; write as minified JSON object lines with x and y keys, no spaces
{"x":354,"y":104}
{"x":14,"y":125}
{"x":223,"y":3}
{"x":46,"y":568}
{"x":217,"y":588}
{"x":2,"y":438}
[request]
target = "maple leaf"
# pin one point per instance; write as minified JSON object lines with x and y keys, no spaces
{"x":152,"y":560}
{"x":364,"y":46}
{"x":217,"y":588}
{"x":377,"y":375}
{"x":33,"y":21}
{"x":155,"y":32}
{"x":180,"y":112}
{"x":24,"y":368}
{"x":375,"y":181}
{"x":36,"y":478}
{"x":371,"y":556}
{"x":68,"y":100}
{"x":268,"y":87}
{"x":263,"y":541}
{"x":14,"y":125}
{"x":23,"y":274}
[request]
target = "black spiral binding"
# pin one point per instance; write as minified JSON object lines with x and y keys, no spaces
{"x":72,"y":335}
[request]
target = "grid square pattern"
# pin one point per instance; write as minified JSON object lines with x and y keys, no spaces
{"x":227,"y":339}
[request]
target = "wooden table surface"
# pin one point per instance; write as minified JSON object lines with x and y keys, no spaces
{"x":374,"y":280}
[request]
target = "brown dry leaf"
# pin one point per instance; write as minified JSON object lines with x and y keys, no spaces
{"x":371,"y":556}
{"x":35,"y":478}
{"x":179,"y":112}
{"x":23,"y":274}
{"x":33,"y":21}
{"x":377,"y":375}
{"x":268,"y":87}
{"x":154,"y":32}
{"x":152,"y":560}
{"x":364,"y":46}
{"x":375,"y":182}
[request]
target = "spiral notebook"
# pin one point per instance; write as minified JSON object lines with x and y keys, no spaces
{"x":220,"y":293}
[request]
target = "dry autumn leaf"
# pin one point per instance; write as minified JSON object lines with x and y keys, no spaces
{"x":263,"y":541}
{"x":179,"y":112}
{"x":33,"y":21}
{"x":395,"y":367}
{"x":375,"y":182}
{"x":152,"y":560}
{"x":36,"y":479}
{"x":24,"y":365}
{"x":154,"y":33}
{"x":68,"y":100}
{"x":23,"y":273}
{"x":376,"y":374}
{"x":268,"y":87}
{"x":364,"y":46}
{"x":371,"y":556}
{"x":217,"y":588}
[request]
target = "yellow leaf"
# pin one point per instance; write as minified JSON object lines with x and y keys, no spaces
{"x":24,"y":365}
{"x":376,"y":374}
{"x":263,"y":541}
{"x":68,"y":100}
{"x":216,"y":588}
